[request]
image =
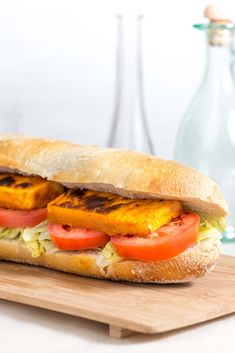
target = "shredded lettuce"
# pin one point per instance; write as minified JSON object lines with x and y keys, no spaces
{"x":36,"y":239}
{"x":216,"y":222}
{"x":211,"y":227}
{"x":35,"y":248}
{"x":38,"y":232}
{"x":108,"y":255}
{"x":207,"y":231}
{"x":10,"y":233}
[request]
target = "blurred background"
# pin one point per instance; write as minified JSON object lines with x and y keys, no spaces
{"x":58,"y":64}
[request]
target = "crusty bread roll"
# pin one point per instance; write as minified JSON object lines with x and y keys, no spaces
{"x":127,"y":173}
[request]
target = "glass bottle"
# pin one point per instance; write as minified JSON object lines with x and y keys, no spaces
{"x":129,"y":126}
{"x":206,"y":136}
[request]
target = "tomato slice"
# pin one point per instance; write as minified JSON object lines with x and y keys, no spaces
{"x":164,"y":244}
{"x":76,"y":238}
{"x":21,"y":219}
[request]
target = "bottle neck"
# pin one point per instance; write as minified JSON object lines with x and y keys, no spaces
{"x":220,"y":61}
{"x":130,"y":64}
{"x":129,"y":128}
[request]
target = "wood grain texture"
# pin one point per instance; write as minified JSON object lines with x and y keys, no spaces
{"x":148,"y":308}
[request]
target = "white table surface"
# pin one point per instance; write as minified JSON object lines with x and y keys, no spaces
{"x":31,"y":330}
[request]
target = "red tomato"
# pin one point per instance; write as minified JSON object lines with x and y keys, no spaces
{"x":76,"y":238}
{"x":21,"y":219}
{"x":167,"y":242}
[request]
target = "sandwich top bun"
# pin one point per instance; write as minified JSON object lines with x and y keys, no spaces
{"x":127,"y":173}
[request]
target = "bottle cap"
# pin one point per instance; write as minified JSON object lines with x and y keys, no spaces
{"x":218,"y":13}
{"x":219,"y":16}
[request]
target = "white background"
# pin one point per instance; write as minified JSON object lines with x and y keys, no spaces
{"x":57,"y":65}
{"x":57,"y":69}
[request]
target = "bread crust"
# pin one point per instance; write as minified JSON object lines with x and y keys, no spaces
{"x":127,"y":173}
{"x":193,"y":263}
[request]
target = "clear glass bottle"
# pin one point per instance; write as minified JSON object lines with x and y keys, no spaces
{"x":129,"y":127}
{"x":206,"y":136}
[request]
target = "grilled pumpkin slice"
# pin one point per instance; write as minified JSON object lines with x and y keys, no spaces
{"x":110,"y":213}
{"x":26,"y":192}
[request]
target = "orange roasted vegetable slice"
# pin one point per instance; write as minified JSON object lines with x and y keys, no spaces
{"x":20,"y":192}
{"x":110,"y":213}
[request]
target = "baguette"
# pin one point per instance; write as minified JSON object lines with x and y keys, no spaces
{"x":127,"y":173}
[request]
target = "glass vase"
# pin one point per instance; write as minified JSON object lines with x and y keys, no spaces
{"x":129,"y":125}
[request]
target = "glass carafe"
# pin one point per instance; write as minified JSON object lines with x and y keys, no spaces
{"x":206,"y":137}
{"x":129,"y":126}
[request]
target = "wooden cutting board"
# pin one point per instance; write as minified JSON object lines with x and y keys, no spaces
{"x":125,"y":307}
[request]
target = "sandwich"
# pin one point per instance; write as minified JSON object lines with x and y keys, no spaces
{"x":107,"y":213}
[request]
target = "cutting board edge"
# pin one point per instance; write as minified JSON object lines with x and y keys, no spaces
{"x":142,"y":328}
{"x":133,"y":326}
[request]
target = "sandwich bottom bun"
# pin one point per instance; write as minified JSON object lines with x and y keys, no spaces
{"x":193,"y":263}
